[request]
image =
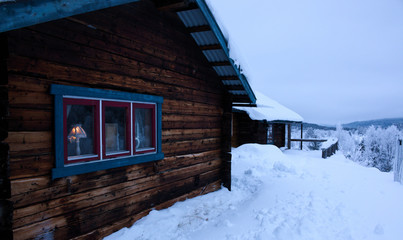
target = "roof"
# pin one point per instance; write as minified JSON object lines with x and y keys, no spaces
{"x":270,"y":110}
{"x":195,"y":15}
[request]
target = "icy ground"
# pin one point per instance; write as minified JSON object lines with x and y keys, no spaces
{"x":284,"y":195}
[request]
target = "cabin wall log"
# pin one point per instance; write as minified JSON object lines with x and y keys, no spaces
{"x":6,"y":206}
{"x":132,"y":48}
{"x":246,"y":130}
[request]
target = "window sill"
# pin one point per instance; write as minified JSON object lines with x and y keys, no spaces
{"x":87,"y":167}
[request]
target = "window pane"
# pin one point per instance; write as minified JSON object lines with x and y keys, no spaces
{"x":144,"y":128}
{"x":270,"y":134}
{"x":80,"y":125}
{"x":115,"y":129}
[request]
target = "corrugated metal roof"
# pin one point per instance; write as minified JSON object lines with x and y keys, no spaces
{"x":238,"y":92}
{"x":202,"y":16}
{"x":232,"y":82}
{"x":225,"y":70}
{"x":193,"y":18}
{"x":217,"y":55}
{"x":205,"y":38}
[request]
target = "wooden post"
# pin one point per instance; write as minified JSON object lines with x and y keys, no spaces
{"x":226,"y":143}
{"x":302,"y":125}
{"x":289,"y":136}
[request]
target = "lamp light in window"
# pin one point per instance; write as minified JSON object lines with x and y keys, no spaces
{"x":75,"y":134}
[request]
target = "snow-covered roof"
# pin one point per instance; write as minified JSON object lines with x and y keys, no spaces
{"x":270,"y":110}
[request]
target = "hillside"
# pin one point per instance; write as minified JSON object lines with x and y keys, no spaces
{"x":384,"y":123}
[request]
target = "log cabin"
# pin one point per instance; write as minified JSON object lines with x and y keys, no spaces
{"x":109,"y":109}
{"x":268,"y":122}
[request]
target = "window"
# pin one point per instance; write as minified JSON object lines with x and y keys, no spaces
{"x":270,"y":134}
{"x":116,"y":129}
{"x":144,"y":127}
{"x":101,"y":129}
{"x":80,"y":130}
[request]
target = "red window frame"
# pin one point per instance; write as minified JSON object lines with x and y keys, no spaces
{"x":86,"y":102}
{"x":154,"y":130}
{"x":128,"y":129}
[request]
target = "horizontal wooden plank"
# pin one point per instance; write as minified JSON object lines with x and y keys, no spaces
{"x":190,"y":146}
{"x":70,"y":54}
{"x":34,"y":190}
{"x":171,"y":135}
{"x":308,"y":140}
{"x":41,"y":211}
{"x":31,"y":166}
{"x":127,"y":222}
{"x":136,"y":47}
{"x":30,"y":141}
{"x":27,"y":97}
{"x":126,"y":205}
{"x":190,"y":108}
{"x":28,"y":137}
{"x":27,"y":119}
{"x":47,"y":73}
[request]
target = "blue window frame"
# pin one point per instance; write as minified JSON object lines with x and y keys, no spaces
{"x":91,"y":124}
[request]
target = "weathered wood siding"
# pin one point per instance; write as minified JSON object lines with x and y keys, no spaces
{"x":132,"y":48}
{"x":246,"y":130}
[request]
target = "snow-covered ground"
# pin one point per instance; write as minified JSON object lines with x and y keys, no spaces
{"x":284,"y":195}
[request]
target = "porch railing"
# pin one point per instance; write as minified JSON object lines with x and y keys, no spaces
{"x":330,"y":147}
{"x":397,"y":165}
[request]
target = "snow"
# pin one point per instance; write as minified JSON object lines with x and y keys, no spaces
{"x":284,"y":195}
{"x":270,"y":110}
{"x":329,"y":142}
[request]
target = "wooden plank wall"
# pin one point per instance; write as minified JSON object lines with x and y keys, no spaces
{"x":246,"y":130}
{"x":5,"y":189}
{"x":133,"y":48}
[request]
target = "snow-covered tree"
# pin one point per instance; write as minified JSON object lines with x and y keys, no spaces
{"x":378,"y":147}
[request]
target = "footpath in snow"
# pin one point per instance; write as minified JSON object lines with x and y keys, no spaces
{"x":284,"y":195}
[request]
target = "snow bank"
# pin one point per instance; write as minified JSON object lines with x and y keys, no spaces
{"x":270,"y":110}
{"x":284,"y":195}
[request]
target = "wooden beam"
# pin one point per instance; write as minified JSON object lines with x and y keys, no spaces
{"x":289,"y":136}
{"x":171,"y":7}
{"x":203,"y":28}
{"x":21,"y":14}
{"x":308,"y":140}
{"x":302,"y":125}
{"x":224,"y":63}
{"x":175,"y":6}
{"x":234,"y":87}
{"x":210,"y":47}
{"x":229,"y":78}
{"x":244,"y":105}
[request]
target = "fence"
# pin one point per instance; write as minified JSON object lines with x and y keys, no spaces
{"x":307,"y":140}
{"x":398,"y":166}
{"x":330,"y":147}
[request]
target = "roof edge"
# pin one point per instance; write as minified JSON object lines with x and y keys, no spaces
{"x":32,"y":12}
{"x":221,"y":39}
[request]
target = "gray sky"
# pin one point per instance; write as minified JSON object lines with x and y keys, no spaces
{"x":329,"y":60}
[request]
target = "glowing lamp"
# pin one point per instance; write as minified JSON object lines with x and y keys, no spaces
{"x":75,"y":134}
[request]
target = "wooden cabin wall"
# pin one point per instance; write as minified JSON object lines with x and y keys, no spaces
{"x":132,"y":48}
{"x":279,"y":134}
{"x":5,"y":189}
{"x":246,"y":130}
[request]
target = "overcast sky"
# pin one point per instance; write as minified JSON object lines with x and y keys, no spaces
{"x":328,"y":60}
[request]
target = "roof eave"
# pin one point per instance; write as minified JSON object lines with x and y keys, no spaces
{"x":21,"y":14}
{"x":217,"y":32}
